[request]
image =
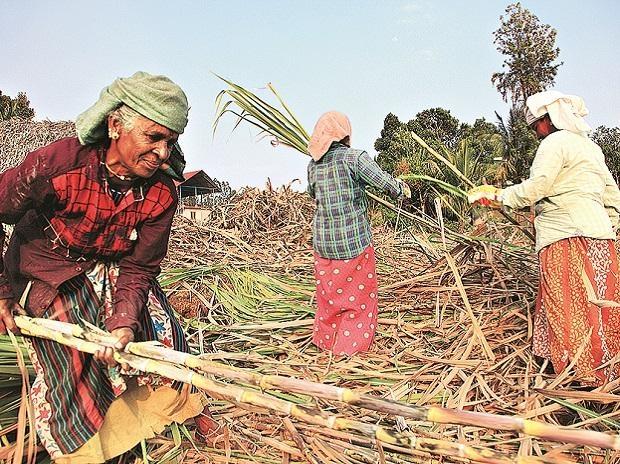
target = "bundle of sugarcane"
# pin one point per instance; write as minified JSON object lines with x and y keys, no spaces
{"x":187,"y":368}
{"x":286,"y":130}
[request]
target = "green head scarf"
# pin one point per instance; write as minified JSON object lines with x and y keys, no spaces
{"x":154,"y":97}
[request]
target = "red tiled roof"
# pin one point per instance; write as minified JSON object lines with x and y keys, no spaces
{"x":187,"y":175}
{"x":198,"y":181}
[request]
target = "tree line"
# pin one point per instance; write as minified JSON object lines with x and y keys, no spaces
{"x":18,"y":107}
{"x":497,"y":152}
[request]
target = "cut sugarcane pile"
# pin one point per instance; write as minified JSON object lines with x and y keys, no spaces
{"x":455,"y":326}
{"x":18,"y":137}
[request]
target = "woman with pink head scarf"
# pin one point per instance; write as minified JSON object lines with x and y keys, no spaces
{"x":344,"y":258}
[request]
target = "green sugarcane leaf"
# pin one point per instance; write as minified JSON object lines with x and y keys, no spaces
{"x":299,"y":126}
{"x":145,"y":455}
{"x":587,"y":412}
{"x":267,"y":117}
{"x":176,"y":434}
{"x":447,"y":187}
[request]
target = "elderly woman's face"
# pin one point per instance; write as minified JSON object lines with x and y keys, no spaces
{"x":145,"y":147}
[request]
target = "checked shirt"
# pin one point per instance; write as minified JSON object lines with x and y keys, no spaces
{"x":66,"y":220}
{"x":340,"y":228}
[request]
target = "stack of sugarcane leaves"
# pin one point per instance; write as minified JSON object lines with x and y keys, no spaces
{"x":20,"y":136}
{"x":455,"y":329}
{"x":454,"y":332}
{"x":238,"y":229}
{"x":191,"y":369}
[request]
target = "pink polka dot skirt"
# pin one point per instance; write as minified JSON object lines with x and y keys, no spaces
{"x":346,"y":295}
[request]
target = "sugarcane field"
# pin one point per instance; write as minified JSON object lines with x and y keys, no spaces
{"x":301,"y":232}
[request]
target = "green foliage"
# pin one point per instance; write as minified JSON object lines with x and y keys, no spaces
{"x":282,"y":125}
{"x":443,"y":160}
{"x":530,"y":51}
{"x":401,"y":153}
{"x":392,"y":144}
{"x":440,"y":157}
{"x":608,"y":138}
{"x":517,"y":147}
{"x":390,"y":125}
{"x":484,"y":139}
{"x":18,"y":107}
{"x":438,"y":127}
{"x":469,"y":169}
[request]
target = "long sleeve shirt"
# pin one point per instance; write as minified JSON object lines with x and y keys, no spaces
{"x":66,"y":220}
{"x":571,"y":188}
{"x":340,"y":227}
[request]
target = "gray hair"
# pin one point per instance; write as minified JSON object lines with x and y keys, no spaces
{"x":125,"y":115}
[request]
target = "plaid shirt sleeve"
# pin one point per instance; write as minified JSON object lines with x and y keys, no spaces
{"x":21,"y":188}
{"x":371,"y":173}
{"x":138,"y":270}
{"x":310,"y":189}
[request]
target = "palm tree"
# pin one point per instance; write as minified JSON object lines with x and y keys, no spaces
{"x":517,"y":146}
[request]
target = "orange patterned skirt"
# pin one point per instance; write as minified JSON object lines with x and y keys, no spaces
{"x":577,"y":309}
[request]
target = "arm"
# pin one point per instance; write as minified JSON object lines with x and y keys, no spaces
{"x":138,"y":270}
{"x":611,"y":199}
{"x":21,"y":189}
{"x":545,"y":168}
{"x":7,"y":301}
{"x":310,"y":188}
{"x":5,"y":288}
{"x":371,"y":173}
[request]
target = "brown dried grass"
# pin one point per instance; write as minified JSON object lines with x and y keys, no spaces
{"x":18,"y":137}
{"x":455,"y":328}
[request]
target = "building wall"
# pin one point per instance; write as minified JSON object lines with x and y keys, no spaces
{"x":198,"y":215}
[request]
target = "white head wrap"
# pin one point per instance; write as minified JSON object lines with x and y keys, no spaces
{"x":566,"y":111}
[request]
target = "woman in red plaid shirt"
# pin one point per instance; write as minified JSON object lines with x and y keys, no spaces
{"x":92,"y":219}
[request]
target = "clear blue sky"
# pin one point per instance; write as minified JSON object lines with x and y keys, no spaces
{"x":365,"y":58}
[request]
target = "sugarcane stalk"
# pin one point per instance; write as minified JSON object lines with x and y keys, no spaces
{"x":466,"y":238}
{"x":422,"y":413}
{"x":356,"y":440}
{"x":434,"y":414}
{"x":240,"y":395}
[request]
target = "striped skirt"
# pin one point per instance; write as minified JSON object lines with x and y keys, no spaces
{"x":577,"y":316}
{"x":72,"y":391}
{"x":346,"y":294}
